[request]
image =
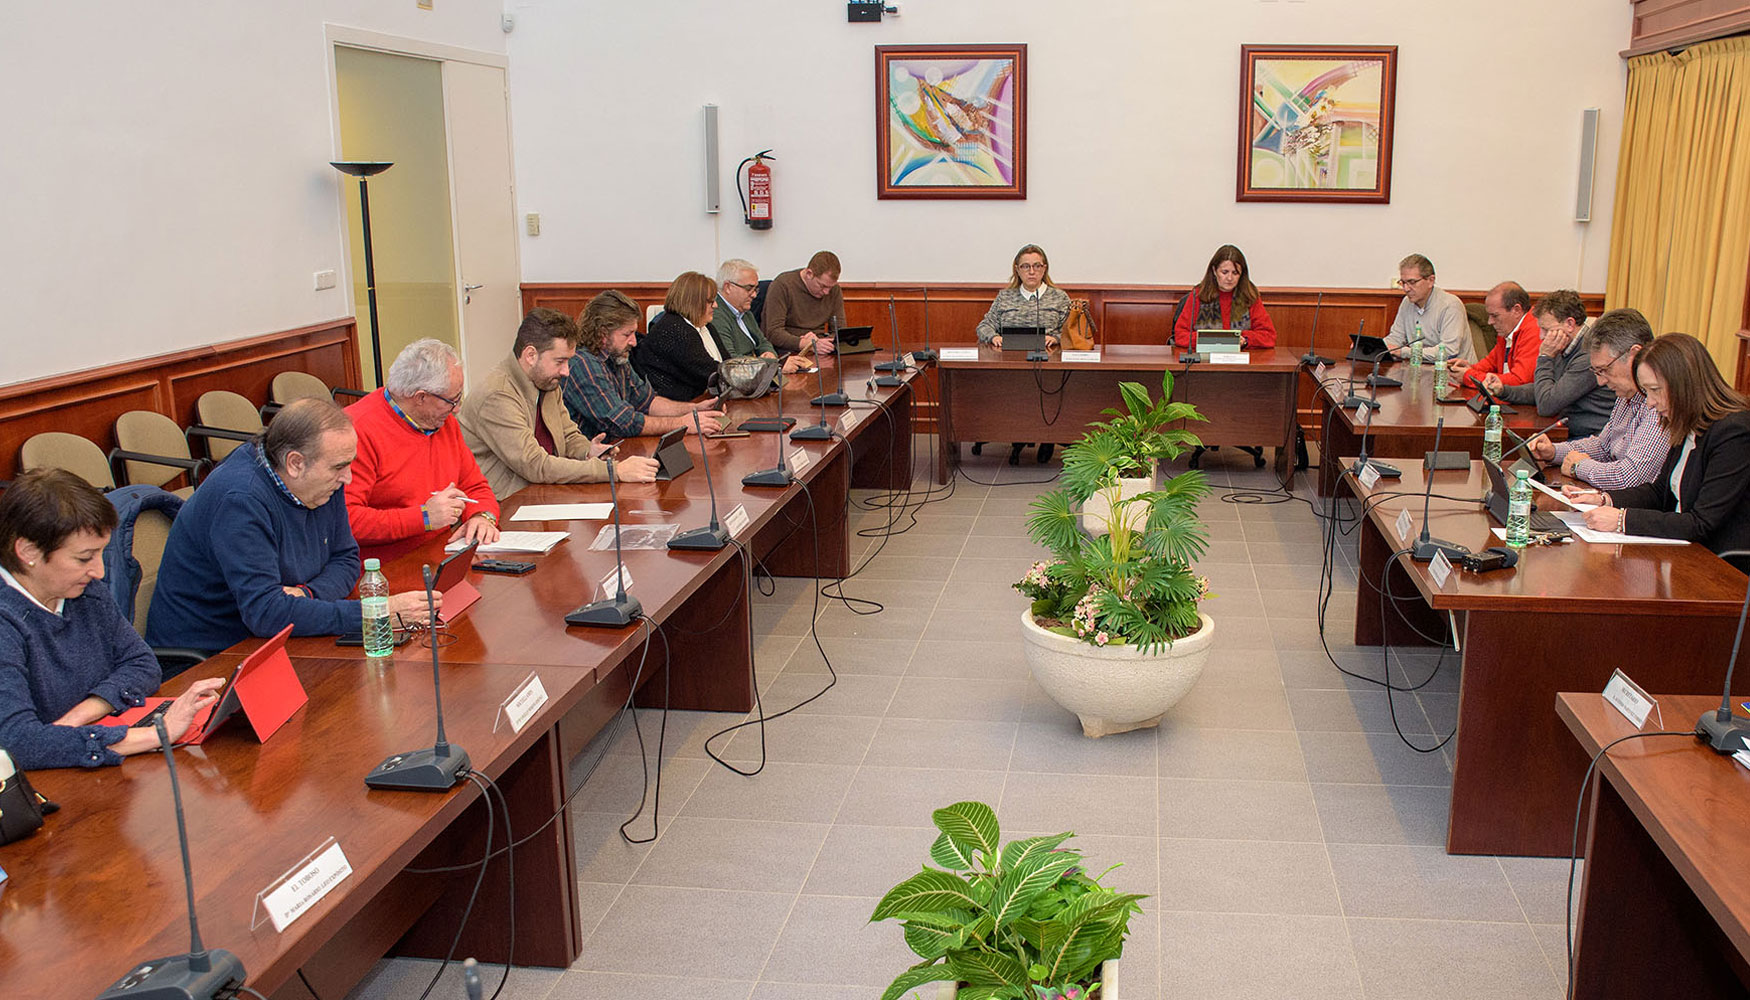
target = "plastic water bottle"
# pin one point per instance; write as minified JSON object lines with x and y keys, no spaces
{"x":1492,"y":435}
{"x":374,"y":599}
{"x":1440,"y":371}
{"x":1416,"y":348}
{"x":1519,"y":511}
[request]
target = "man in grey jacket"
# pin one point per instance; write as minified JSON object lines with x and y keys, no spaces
{"x":1564,"y":384}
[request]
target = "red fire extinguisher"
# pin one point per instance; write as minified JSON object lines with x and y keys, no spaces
{"x":756,"y":197}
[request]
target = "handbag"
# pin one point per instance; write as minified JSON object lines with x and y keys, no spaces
{"x":1078,"y":328}
{"x":22,"y":807}
{"x":745,"y":377}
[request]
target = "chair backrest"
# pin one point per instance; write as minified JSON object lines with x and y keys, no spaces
{"x":60,"y":450}
{"x":150,"y":433}
{"x":1482,"y":333}
{"x":758,"y":308}
{"x":221,"y":408}
{"x":288,"y":386}
{"x":151,"y":533}
{"x":651,"y":312}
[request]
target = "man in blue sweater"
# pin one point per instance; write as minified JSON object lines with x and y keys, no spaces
{"x":265,"y":541}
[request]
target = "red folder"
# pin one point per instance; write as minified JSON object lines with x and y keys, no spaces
{"x":264,"y":686}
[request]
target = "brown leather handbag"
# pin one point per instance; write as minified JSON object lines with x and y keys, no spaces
{"x":1078,"y":328}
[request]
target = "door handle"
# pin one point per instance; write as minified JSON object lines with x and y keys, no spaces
{"x":468,"y":292}
{"x":469,"y":288}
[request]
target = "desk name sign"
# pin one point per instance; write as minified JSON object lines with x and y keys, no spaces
{"x":1081,"y":357}
{"x":522,"y":704}
{"x":735,"y":522}
{"x":616,"y":578}
{"x":293,"y":894}
{"x":1320,"y":372}
{"x":1440,"y":568}
{"x":800,"y":460}
{"x":1629,"y":698}
{"x":959,"y":354}
{"x":852,"y":417}
{"x":910,"y":359}
{"x":1369,"y":476}
{"x":1404,"y":525}
{"x":1229,"y":359}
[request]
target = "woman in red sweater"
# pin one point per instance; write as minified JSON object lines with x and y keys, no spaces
{"x":1226,"y":299}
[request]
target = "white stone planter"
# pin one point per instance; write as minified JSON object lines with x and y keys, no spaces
{"x":1097,"y":513}
{"x":1114,"y":689}
{"x":1108,"y":983}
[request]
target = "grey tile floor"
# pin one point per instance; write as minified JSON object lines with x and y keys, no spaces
{"x":1289,"y":840}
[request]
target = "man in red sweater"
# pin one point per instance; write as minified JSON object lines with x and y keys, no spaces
{"x":414,"y":475}
{"x":1517,"y":339}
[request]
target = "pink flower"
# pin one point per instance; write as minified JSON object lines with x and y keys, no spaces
{"x":1101,"y":638}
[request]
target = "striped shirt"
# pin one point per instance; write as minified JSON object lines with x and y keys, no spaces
{"x":1629,"y":451}
{"x":605,"y":397}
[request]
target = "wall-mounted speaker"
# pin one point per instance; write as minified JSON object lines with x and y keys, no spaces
{"x":1588,"y":159}
{"x":713,"y":199}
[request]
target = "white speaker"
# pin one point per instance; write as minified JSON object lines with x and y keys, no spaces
{"x":713,"y":199}
{"x":1588,"y":158}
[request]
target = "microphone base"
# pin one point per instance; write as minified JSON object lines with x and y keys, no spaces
{"x":705,"y":539}
{"x":420,"y":770}
{"x":1038,"y":356}
{"x":172,"y":979}
{"x":614,"y":612}
{"x":1729,"y":736}
{"x":888,"y":381}
{"x":831,"y":399}
{"x":773,"y":424}
{"x":922,"y":356}
{"x":1384,"y":382}
{"x":813,"y":432}
{"x":779,"y":477}
{"x":1427,"y":547}
{"x":1385,"y":471}
{"x":1191,"y":358}
{"x":1532,"y":470}
{"x":1353,"y":401}
{"x":1309,"y":358}
{"x":891,"y":366}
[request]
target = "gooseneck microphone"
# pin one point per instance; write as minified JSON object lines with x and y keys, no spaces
{"x":1531,"y":467}
{"x":712,"y":536}
{"x":779,"y":423}
{"x":1484,"y":399}
{"x":1371,"y":400}
{"x":1038,"y":353}
{"x":1362,"y":461}
{"x":821,"y":431}
{"x":439,"y":767}
{"x":1312,"y":356}
{"x":898,"y":363}
{"x":200,"y":974}
{"x":1722,"y":729}
{"x":622,"y":608}
{"x":837,"y":397}
{"x":926,"y":354}
{"x":778,"y":475}
{"x":1426,"y":545}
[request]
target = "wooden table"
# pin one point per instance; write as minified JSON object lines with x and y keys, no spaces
{"x":1002,"y":397}
{"x":1403,"y":426}
{"x":1562,"y":620}
{"x":1665,"y":905}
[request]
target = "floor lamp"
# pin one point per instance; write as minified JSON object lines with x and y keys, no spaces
{"x":363,"y":169}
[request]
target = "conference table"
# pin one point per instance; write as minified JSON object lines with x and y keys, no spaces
{"x":1665,"y":901}
{"x":1404,"y":426}
{"x":1563,"y":619}
{"x":99,"y":889}
{"x":1000,"y":396}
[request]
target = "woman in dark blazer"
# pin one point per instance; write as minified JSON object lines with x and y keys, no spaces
{"x":1703,"y":492}
{"x":679,"y":354}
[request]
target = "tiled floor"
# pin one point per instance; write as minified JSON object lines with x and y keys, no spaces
{"x":1289,"y":841}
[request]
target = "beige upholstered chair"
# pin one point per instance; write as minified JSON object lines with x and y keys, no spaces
{"x":60,"y":450}
{"x":151,"y":533}
{"x":227,"y":420}
{"x":153,"y":450}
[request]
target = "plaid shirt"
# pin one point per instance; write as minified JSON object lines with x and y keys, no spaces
{"x":1629,"y":451}
{"x":605,"y":397}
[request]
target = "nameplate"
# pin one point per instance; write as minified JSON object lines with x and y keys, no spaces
{"x":852,"y":418}
{"x":1081,"y":357}
{"x":1360,"y":410}
{"x":1629,"y":698}
{"x":1404,"y":525}
{"x":523,"y":703}
{"x":959,"y":354}
{"x":799,"y":460}
{"x":612,"y":583}
{"x":1216,"y":358}
{"x":735,"y":522}
{"x":1369,"y":476}
{"x":910,"y":360}
{"x":1320,"y":372}
{"x":305,"y":885}
{"x":1440,"y":568}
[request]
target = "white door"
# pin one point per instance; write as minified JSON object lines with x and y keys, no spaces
{"x":489,"y":300}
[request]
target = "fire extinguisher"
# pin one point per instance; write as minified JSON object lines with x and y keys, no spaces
{"x":756,"y":197}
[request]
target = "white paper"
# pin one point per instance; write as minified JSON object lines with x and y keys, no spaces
{"x":736,"y":521}
{"x":799,"y":460}
{"x":1576,"y":521}
{"x":959,"y":354}
{"x":1440,"y":568}
{"x":1320,"y":372}
{"x":1230,"y":359}
{"x":612,"y":582}
{"x":563,"y":512}
{"x":1369,"y":476}
{"x":1404,"y":525}
{"x":538,"y":542}
{"x":1083,"y":357}
{"x":523,"y":703}
{"x":1629,"y":699}
{"x":1559,"y":496}
{"x":850,"y":419}
{"x":1742,"y":757}
{"x":910,"y":360}
{"x":304,"y":887}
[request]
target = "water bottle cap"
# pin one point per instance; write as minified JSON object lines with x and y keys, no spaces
{"x":1521,"y":473}
{"x":1494,"y":409}
{"x":373,"y":565}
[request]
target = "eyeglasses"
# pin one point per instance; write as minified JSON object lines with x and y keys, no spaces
{"x":1029,"y":267}
{"x":1412,"y":282}
{"x":454,"y":403}
{"x":745,"y":288}
{"x":1608,"y":365}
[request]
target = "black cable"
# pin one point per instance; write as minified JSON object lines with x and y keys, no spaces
{"x":1385,"y":657}
{"x":1574,"y":850}
{"x":257,"y":995}
{"x":644,"y":757}
{"x":510,"y":876}
{"x":1044,"y":393}
{"x":468,"y":911}
{"x":301,"y":978}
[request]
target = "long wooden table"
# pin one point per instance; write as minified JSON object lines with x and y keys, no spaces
{"x":1562,"y":620}
{"x":1002,"y":397}
{"x":105,"y":871}
{"x":1404,"y":425}
{"x":1665,"y":905}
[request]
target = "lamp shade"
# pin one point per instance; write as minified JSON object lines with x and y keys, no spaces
{"x":360,"y":168}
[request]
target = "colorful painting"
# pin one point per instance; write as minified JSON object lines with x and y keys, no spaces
{"x":951,"y":121}
{"x":1316,"y":123}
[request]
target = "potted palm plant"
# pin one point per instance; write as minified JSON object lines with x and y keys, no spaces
{"x":1015,"y":921}
{"x":1114,"y":632}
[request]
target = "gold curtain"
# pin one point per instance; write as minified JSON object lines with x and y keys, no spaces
{"x":1680,"y":243}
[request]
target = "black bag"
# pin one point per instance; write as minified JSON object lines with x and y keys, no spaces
{"x":22,"y":807}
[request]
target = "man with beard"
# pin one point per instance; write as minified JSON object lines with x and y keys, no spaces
{"x":605,"y":395}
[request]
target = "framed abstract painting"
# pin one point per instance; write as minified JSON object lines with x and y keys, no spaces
{"x":951,"y":121}
{"x":1316,"y":123}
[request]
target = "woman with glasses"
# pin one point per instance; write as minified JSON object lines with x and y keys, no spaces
{"x":1701,"y":492}
{"x":1225,"y":299}
{"x":1632,"y":445}
{"x":1030,"y":300}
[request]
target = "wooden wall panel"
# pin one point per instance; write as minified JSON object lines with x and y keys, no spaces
{"x":88,"y":402}
{"x":1664,"y":24}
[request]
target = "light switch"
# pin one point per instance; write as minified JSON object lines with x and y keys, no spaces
{"x":324,"y":279}
{"x":533,"y":219}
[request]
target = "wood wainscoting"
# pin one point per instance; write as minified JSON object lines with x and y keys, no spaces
{"x":1123,"y":314}
{"x":88,"y":402}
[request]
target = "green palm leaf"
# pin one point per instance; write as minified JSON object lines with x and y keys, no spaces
{"x":929,"y":891}
{"x":947,"y":853}
{"x":972,"y":826}
{"x":989,"y":968}
{"x":913,"y":978}
{"x":1016,"y":851}
{"x":1019,"y":885}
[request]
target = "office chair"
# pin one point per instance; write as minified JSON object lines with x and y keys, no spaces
{"x":227,"y":420}
{"x":60,"y":450}
{"x":153,"y":451}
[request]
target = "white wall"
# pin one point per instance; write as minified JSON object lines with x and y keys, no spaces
{"x":1133,"y":128}
{"x":165,"y":180}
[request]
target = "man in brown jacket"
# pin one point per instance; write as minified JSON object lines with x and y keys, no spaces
{"x":516,"y":424}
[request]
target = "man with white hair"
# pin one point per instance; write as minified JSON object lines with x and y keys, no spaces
{"x":414,"y":475}
{"x":738,"y":333}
